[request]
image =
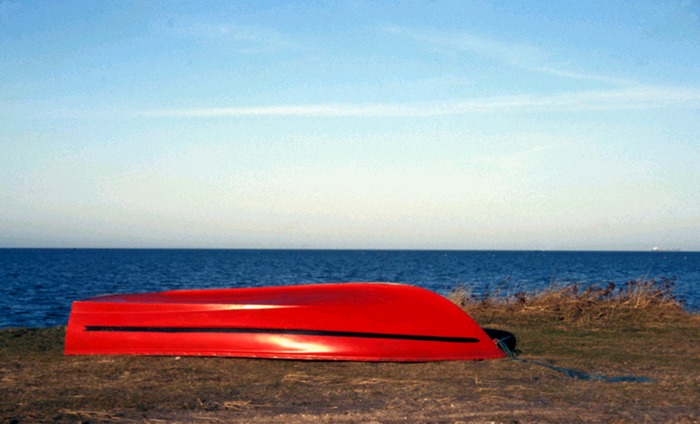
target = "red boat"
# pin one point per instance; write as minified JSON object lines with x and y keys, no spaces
{"x":347,"y":321}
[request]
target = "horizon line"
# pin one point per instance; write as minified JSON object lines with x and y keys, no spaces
{"x":650,"y":250}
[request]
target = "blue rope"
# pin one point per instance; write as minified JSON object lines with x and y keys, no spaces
{"x":575,"y":374}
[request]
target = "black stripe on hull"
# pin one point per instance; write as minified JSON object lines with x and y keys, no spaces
{"x":284,"y":331}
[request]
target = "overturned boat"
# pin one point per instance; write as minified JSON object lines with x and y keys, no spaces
{"x":346,"y":321}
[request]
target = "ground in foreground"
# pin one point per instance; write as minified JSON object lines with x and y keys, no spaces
{"x":38,"y":383}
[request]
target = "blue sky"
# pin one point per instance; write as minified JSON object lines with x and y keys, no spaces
{"x":350,"y":124}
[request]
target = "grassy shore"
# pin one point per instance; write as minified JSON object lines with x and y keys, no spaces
{"x":638,"y":329}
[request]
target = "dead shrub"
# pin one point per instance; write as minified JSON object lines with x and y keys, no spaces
{"x":648,"y":300}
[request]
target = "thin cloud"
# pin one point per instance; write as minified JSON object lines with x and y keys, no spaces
{"x":513,"y":53}
{"x":582,"y":76}
{"x":313,"y":110}
{"x":632,"y":98}
{"x":247,"y":39}
{"x":519,"y":55}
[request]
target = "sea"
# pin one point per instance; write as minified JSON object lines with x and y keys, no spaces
{"x":37,"y":286}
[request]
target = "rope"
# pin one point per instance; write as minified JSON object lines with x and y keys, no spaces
{"x":575,"y":374}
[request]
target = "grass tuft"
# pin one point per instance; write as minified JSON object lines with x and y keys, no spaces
{"x":642,"y":301}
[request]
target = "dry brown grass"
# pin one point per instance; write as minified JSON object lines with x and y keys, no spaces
{"x":39,"y":384}
{"x":643,"y":301}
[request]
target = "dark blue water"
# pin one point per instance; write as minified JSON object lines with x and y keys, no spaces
{"x":37,"y":286}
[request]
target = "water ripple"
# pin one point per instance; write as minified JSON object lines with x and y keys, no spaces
{"x":37,"y":286}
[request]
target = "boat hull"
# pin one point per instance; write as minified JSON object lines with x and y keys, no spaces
{"x":348,"y":321}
